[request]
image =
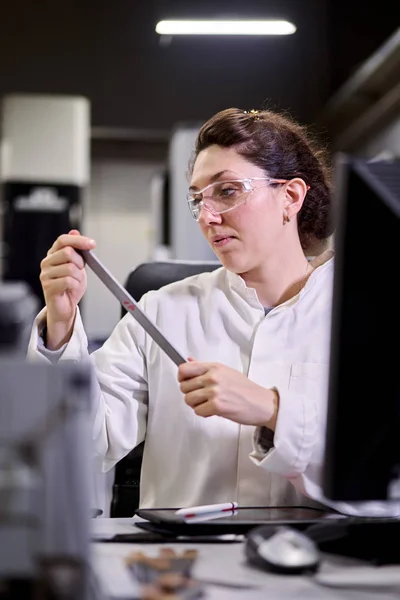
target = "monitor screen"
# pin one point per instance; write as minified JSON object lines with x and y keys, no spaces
{"x":363,"y":422}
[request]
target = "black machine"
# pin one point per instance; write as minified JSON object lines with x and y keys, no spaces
{"x":35,"y":215}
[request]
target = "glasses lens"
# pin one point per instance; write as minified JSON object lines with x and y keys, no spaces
{"x":227,"y":194}
{"x":194,"y":206}
{"x":218,"y":197}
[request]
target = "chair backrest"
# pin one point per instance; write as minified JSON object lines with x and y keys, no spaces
{"x":154,"y":275}
{"x":145,"y":277}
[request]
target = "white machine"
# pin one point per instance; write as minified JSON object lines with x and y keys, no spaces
{"x":45,"y":468}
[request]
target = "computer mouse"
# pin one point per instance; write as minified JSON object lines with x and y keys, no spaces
{"x":281,"y":549}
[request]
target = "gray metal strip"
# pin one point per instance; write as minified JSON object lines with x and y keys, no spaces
{"x":131,"y":306}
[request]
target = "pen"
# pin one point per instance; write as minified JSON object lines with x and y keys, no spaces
{"x":195,"y":511}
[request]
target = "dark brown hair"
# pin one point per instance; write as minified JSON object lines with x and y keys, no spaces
{"x":283,"y":149}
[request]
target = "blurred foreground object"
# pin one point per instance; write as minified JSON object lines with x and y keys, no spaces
{"x":18,"y":308}
{"x":44,"y":465}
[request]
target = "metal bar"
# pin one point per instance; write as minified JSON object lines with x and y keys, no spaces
{"x":131,"y":306}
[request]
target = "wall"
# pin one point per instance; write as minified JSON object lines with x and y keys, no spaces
{"x":388,"y":140}
{"x":117,"y":214}
{"x":187,"y":241}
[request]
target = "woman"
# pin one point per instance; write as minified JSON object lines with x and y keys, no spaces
{"x":243,"y":419}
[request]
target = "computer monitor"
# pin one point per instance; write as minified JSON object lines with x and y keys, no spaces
{"x":363,"y":422}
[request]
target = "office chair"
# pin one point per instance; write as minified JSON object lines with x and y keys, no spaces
{"x":146,"y":276}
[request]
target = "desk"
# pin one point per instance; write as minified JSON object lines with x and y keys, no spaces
{"x":222,"y":562}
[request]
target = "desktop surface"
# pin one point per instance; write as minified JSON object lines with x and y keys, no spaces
{"x":339,"y":577}
{"x":373,"y":539}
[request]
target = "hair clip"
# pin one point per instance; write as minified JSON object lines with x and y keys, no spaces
{"x":255,"y":114}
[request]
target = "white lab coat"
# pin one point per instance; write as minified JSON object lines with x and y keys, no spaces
{"x":189,"y":460}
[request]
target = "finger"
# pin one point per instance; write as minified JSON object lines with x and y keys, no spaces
{"x":196,"y":397}
{"x":189,"y":385}
{"x":74,"y":232}
{"x":206,"y":409}
{"x":58,"y":286}
{"x":192,"y":369}
{"x":79,"y":242}
{"x":64,"y":270}
{"x":62,"y":256}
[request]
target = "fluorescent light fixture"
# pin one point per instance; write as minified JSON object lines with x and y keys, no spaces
{"x":225,"y":28}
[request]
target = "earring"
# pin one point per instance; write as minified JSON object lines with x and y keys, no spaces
{"x":286,"y":219}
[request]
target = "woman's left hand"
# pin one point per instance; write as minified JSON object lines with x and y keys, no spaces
{"x":215,"y":389}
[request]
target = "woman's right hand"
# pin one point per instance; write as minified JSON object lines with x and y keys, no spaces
{"x":63,"y":279}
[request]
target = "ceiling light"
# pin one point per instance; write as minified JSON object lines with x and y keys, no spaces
{"x":225,"y":28}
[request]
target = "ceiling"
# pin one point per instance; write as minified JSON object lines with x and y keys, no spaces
{"x":109,"y":52}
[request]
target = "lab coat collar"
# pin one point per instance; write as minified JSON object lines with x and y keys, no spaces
{"x":237,"y":283}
